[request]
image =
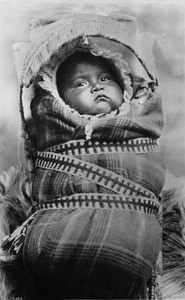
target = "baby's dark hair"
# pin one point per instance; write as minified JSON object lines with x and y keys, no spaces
{"x":82,"y":57}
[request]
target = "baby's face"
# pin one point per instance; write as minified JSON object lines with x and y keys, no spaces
{"x":91,"y":88}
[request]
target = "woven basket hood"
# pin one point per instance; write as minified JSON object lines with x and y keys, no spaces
{"x":48,"y":41}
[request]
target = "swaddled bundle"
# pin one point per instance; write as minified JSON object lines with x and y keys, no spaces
{"x":97,"y":177}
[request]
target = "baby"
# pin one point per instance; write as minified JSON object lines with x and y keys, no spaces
{"x":89,"y":84}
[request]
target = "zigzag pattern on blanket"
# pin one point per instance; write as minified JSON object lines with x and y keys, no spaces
{"x":173,"y":203}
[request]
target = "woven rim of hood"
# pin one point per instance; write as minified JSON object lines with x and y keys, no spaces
{"x":53,"y":36}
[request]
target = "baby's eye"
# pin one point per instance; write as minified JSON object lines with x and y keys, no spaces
{"x":105,"y":78}
{"x":81,"y":84}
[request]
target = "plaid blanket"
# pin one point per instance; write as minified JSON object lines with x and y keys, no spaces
{"x":95,"y":234}
{"x":91,"y":253}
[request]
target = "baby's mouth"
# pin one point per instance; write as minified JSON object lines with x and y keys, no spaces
{"x":101,"y":98}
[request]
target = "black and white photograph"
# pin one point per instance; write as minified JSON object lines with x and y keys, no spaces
{"x":92,"y":149}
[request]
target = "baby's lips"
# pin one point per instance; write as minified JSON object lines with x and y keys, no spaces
{"x":101,"y":97}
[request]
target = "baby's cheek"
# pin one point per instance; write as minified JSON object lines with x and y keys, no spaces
{"x":119,"y":95}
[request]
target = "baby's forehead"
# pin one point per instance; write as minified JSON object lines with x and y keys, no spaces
{"x":85,"y":66}
{"x":82,"y":65}
{"x":96,"y":61}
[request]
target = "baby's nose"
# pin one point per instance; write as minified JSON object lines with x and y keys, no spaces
{"x":97,"y":86}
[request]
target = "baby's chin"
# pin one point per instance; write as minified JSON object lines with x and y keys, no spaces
{"x":101,"y":108}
